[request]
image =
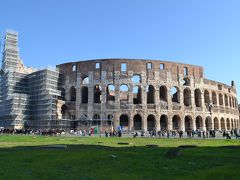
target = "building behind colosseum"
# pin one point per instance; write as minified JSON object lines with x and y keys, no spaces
{"x":134,"y":94}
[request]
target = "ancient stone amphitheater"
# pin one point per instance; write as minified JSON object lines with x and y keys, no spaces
{"x":146,"y":95}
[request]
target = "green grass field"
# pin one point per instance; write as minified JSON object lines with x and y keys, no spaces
{"x":22,"y":157}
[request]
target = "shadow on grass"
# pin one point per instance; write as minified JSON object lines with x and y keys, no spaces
{"x":63,"y":161}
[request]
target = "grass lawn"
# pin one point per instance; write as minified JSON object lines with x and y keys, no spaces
{"x":22,"y":157}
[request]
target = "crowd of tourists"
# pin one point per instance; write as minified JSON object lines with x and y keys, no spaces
{"x":234,"y":133}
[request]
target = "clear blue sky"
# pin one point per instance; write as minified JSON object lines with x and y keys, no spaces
{"x":201,"y":32}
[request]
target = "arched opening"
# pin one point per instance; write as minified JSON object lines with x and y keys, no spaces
{"x":226,"y":100}
{"x":164,"y":122}
{"x":214,"y":98}
{"x":137,"y":122}
{"x":176,"y":122}
{"x":216,"y":124}
{"x":228,"y":124}
{"x":151,"y":123}
{"x":230,"y":101}
{"x":175,"y":93}
{"x":223,"y":127}
{"x":206,"y":97}
{"x":220,"y":97}
{"x":186,"y":82}
{"x":84,"y":95}
{"x":163,"y":93}
{"x":188,"y":123}
{"x":198,"y":99}
{"x":136,"y":79}
{"x":208,"y":123}
{"x":64,"y":111}
{"x":232,"y":124}
{"x":124,"y":121}
{"x":96,"y":120}
{"x":85,"y":80}
{"x":110,"y":119}
{"x":137,"y":95}
{"x":187,"y":97}
{"x":123,"y":92}
{"x":72,"y":94}
{"x":110,"y":93}
{"x":199,"y":123}
{"x":97,"y":94}
{"x":150,"y":94}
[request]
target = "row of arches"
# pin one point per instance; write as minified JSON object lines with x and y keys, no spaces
{"x":228,"y":101}
{"x":188,"y":123}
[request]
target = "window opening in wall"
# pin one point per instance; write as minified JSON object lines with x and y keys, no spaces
{"x":149,"y":65}
{"x":74,"y":68}
{"x":97,"y":94}
{"x":185,"y":71}
{"x":110,"y":92}
{"x":123,"y":92}
{"x":186,"y":82}
{"x":150,"y":94}
{"x":123,"y":67}
{"x":136,"y":79}
{"x":137,"y":95}
{"x":162,"y":66}
{"x":175,"y":95}
{"x":97,"y":65}
{"x":85,"y":80}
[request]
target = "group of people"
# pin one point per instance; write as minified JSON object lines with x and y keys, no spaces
{"x":118,"y":133}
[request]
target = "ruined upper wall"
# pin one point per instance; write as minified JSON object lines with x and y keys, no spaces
{"x":134,"y":65}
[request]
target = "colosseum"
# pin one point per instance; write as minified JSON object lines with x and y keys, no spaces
{"x":138,"y":94}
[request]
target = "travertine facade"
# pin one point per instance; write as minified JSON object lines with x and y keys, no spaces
{"x":146,"y":95}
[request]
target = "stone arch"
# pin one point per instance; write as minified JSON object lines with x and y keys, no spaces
{"x":97,"y":94}
{"x":198,"y":98}
{"x":110,"y":92}
{"x":175,"y":93}
{"x":84,"y":95}
{"x":64,"y":111}
{"x":223,"y":126}
{"x":226,"y":100}
{"x":137,"y":122}
{"x":216,"y":124}
{"x":176,"y":122}
{"x":124,"y":120}
{"x":208,"y":123}
{"x":136,"y":79}
{"x":199,"y":123}
{"x":220,"y":99}
{"x":214,"y":98}
{"x":228,"y":124}
{"x":187,"y":97}
{"x":96,"y":120}
{"x":186,"y":81}
{"x":85,"y":80}
{"x":206,"y":97}
{"x":137,"y":95}
{"x":110,"y":119}
{"x":150,"y":94}
{"x":188,"y":123}
{"x":72,"y":93}
{"x":163,"y":93}
{"x":151,"y":122}
{"x":230,"y":101}
{"x":124,"y":92}
{"x":164,"y":122}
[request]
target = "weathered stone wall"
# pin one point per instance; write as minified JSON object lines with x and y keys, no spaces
{"x":195,"y":108}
